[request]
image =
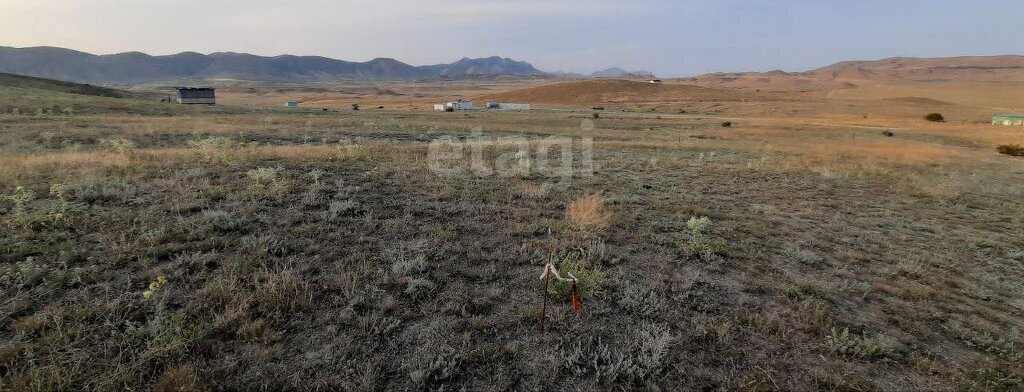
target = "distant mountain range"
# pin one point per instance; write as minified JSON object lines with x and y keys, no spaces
{"x":136,"y":67}
{"x":614,"y":72}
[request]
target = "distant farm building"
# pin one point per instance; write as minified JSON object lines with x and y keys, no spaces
{"x":196,"y":96}
{"x":507,"y":106}
{"x":1008,"y":119}
{"x":655,"y":81}
{"x":291,"y":104}
{"x":455,"y":105}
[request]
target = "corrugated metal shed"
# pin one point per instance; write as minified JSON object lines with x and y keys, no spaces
{"x":1008,"y":119}
{"x":197,"y":95}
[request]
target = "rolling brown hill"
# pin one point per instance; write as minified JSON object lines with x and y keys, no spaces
{"x":897,"y":70}
{"x":28,"y":82}
{"x":611,"y":91}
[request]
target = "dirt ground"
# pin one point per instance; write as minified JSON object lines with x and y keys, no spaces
{"x":752,"y":240}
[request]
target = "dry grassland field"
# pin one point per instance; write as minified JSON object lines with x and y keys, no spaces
{"x":768,"y":236}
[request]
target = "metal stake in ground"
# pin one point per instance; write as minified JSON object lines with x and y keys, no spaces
{"x":544,"y":294}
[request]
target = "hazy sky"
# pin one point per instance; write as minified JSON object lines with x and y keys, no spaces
{"x":670,"y":38}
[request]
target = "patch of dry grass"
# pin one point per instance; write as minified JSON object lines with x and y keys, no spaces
{"x":588,"y":213}
{"x":365,"y":256}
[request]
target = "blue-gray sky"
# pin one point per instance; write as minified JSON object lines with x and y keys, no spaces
{"x":670,"y":38}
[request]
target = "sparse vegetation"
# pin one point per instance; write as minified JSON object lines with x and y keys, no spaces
{"x":634,"y":361}
{"x":935,"y":117}
{"x":1015,"y":150}
{"x":293,"y":250}
{"x":117,"y":145}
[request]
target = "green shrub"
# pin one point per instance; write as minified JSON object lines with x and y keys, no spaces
{"x":699,"y":244}
{"x":584,"y":264}
{"x":212,"y":147}
{"x":267,"y":181}
{"x":102,"y":191}
{"x":20,"y":198}
{"x":861,"y":346}
{"x":935,"y":117}
{"x":117,"y":145}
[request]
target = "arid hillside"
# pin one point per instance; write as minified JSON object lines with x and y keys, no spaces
{"x":610,"y":91}
{"x":897,"y":70}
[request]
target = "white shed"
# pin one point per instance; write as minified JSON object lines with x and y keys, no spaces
{"x":455,"y":105}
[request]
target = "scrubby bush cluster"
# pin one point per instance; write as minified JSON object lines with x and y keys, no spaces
{"x":1015,"y":150}
{"x":636,"y":360}
{"x":860,"y":346}
{"x":699,"y":243}
{"x":117,"y":145}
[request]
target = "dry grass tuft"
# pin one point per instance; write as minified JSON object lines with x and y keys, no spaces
{"x":588,"y":213}
{"x":183,"y":378}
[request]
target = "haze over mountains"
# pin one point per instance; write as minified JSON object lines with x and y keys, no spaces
{"x":614,"y":72}
{"x":136,"y":67}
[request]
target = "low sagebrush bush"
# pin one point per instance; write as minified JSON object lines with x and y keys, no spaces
{"x":1015,"y":150}
{"x":1008,"y":344}
{"x":221,"y":222}
{"x":420,"y":288}
{"x":638,"y":360}
{"x":267,"y":181}
{"x":117,"y":145}
{"x":20,"y":198}
{"x":102,"y":191}
{"x":699,"y":244}
{"x":862,"y":346}
{"x":640,"y":300}
{"x":407,"y":266}
{"x":212,"y":147}
{"x":431,"y":372}
{"x":935,"y":117}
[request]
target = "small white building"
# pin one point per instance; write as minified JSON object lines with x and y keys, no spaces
{"x":455,"y":105}
{"x":508,"y":106}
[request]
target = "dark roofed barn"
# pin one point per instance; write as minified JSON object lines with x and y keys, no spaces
{"x":201,"y":96}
